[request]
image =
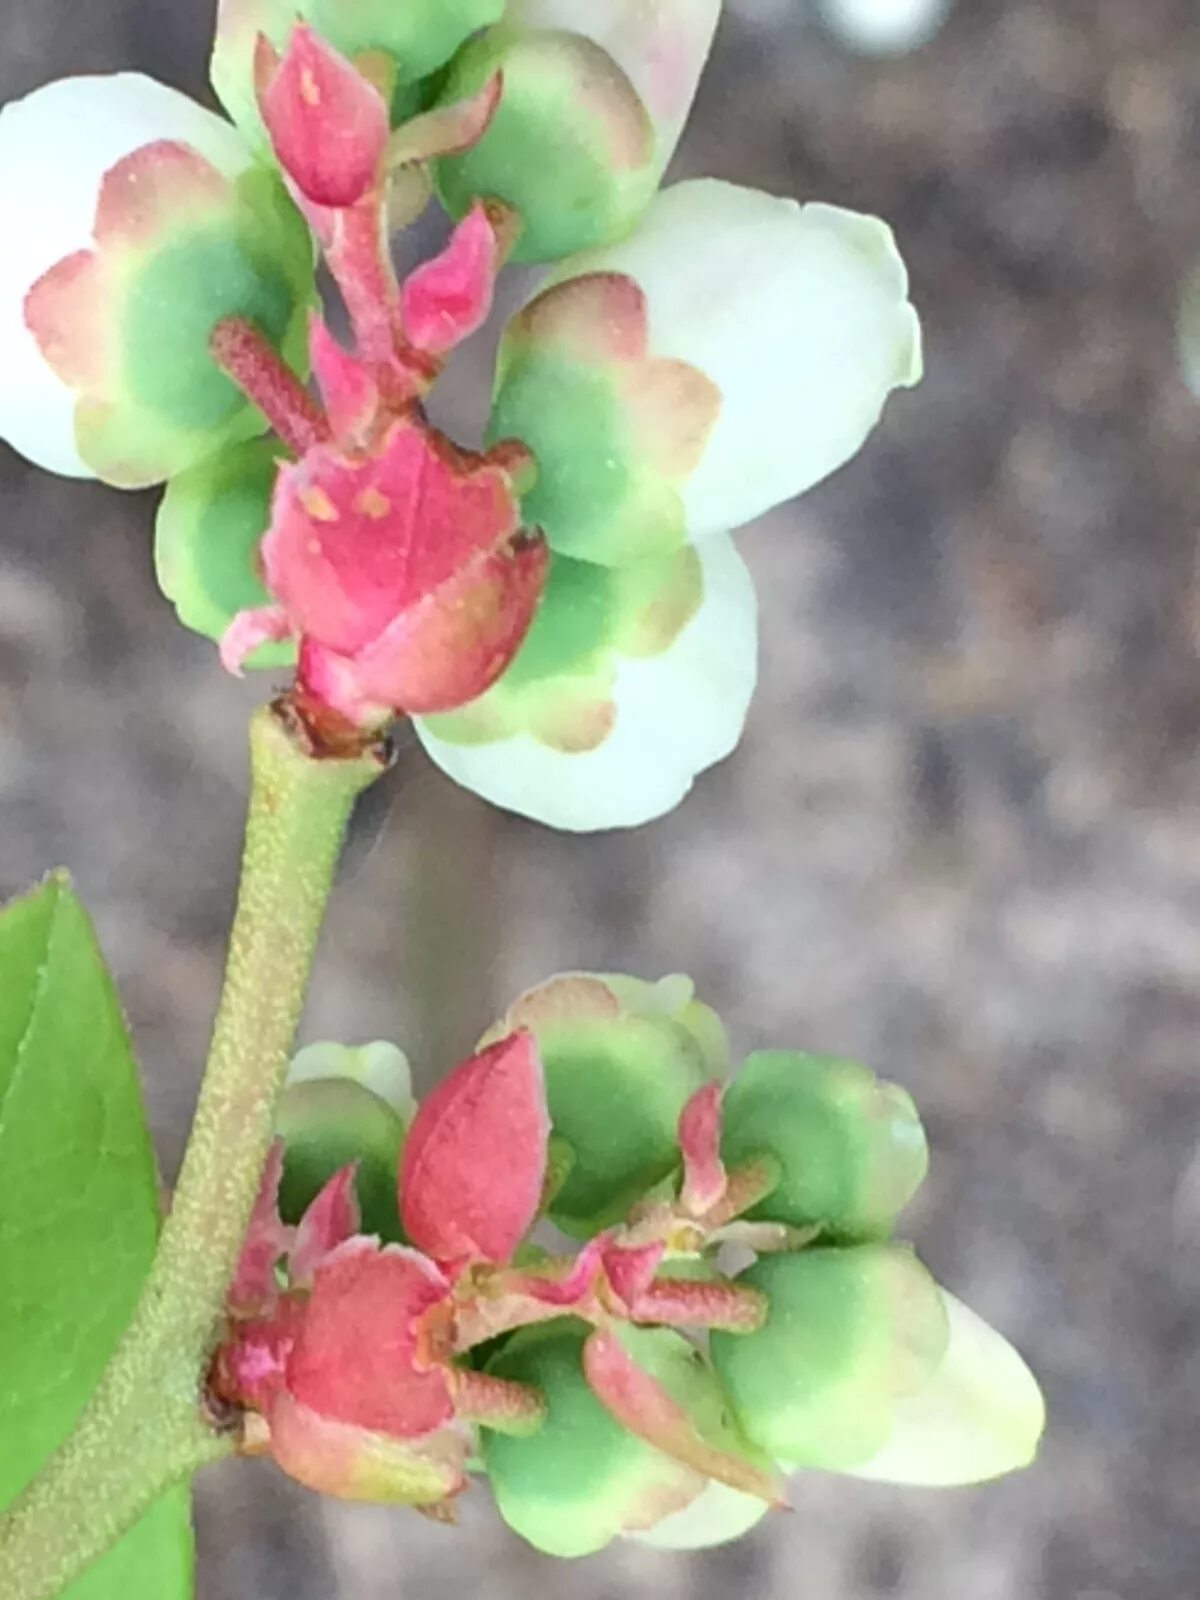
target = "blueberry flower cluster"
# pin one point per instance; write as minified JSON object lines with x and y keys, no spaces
{"x":562,"y":612}
{"x":629,"y":1289}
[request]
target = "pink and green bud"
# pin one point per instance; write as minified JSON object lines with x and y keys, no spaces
{"x":560,"y":91}
{"x":403,"y":571}
{"x":849,"y":1332}
{"x":327,"y":124}
{"x":584,"y":1478}
{"x":850,"y":1146}
{"x":660,"y":45}
{"x":475,"y":1158}
{"x":401,"y":41}
{"x":137,"y":222}
{"x":729,"y":355}
{"x":621,"y":1059}
{"x":630,"y":683}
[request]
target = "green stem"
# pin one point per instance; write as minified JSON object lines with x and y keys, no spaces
{"x":144,"y":1428}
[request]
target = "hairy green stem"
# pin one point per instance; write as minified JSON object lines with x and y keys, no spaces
{"x":144,"y":1428}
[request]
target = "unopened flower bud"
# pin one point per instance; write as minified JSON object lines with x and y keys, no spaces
{"x":621,"y":1058}
{"x":848,"y":1332}
{"x":850,"y":1145}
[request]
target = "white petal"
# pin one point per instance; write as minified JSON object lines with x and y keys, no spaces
{"x":380,"y":1067}
{"x":885,"y":27}
{"x":981,"y":1415}
{"x":677,"y":714}
{"x":799,"y":315}
{"x":660,"y":45}
{"x":55,"y":147}
{"x":717,"y":1515}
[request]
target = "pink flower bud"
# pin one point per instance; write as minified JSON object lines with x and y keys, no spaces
{"x":475,"y":1157}
{"x":402,"y":569}
{"x":328,"y":125}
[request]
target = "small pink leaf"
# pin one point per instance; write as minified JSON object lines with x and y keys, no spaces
{"x":446,"y":130}
{"x":348,"y":388}
{"x":268,"y":1240}
{"x":704,"y":1178}
{"x":577,"y":1284}
{"x":331,"y":1219}
{"x":631,"y":1272}
{"x":328,"y":125}
{"x":358,"y":1356}
{"x":643,"y":1407}
{"x":249,"y":629}
{"x":450,"y":297}
{"x":474,"y":1159}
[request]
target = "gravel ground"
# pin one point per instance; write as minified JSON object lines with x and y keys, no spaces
{"x":960,"y":840}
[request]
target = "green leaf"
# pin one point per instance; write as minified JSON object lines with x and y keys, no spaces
{"x":78,"y":1214}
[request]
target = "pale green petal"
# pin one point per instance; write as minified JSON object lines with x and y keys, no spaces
{"x":798,"y":314}
{"x":1189,"y":330}
{"x":660,"y":45}
{"x":677,"y":714}
{"x":55,"y":147}
{"x":716,"y":1516}
{"x":981,"y":1415}
{"x":380,"y":1067}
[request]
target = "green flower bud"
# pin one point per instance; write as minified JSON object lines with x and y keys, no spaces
{"x":851,"y":1146}
{"x":341,"y":1105}
{"x":621,"y":1058}
{"x":206,"y":537}
{"x":562,"y":94}
{"x":848,"y":1334}
{"x":583,"y":1479}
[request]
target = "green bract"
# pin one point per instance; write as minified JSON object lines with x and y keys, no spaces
{"x":209,"y":526}
{"x":848,"y":1333}
{"x":565,"y":95}
{"x":850,"y":1144}
{"x":621,"y":1058}
{"x":582,"y":1479}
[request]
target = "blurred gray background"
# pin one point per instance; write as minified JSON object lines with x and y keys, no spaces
{"x":961,"y":840}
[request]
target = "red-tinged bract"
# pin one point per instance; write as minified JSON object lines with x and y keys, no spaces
{"x":475,"y":1158}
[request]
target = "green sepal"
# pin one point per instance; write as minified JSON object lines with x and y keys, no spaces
{"x":848,"y":1333}
{"x":564,"y":94}
{"x":851,"y":1145}
{"x":207,"y":533}
{"x":79,"y":1215}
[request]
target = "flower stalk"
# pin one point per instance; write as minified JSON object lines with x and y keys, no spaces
{"x":145,"y":1428}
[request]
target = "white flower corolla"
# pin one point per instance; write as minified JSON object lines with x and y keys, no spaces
{"x":660,"y":45}
{"x":799,"y":315}
{"x":675,"y":714}
{"x":379,"y":1066}
{"x":980,"y":1415}
{"x":56,"y":145}
{"x":885,"y":27}
{"x":730,"y":354}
